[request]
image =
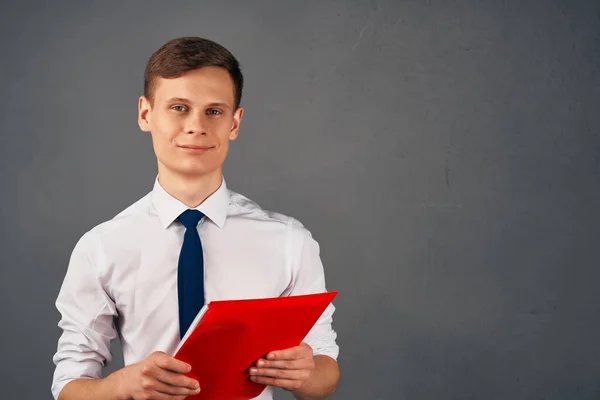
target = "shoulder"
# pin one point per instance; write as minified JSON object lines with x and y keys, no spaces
{"x":128,"y":223}
{"x":244,"y":209}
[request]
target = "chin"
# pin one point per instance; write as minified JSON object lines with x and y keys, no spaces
{"x":194,"y":169}
{"x":197,"y":172}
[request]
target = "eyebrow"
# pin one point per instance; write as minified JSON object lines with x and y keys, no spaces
{"x":184,"y":100}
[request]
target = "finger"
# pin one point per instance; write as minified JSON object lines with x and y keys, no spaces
{"x":166,"y":391}
{"x":175,"y":379}
{"x":169,"y":363}
{"x":282,"y":383}
{"x":301,"y":351}
{"x":302,"y":363}
{"x":154,"y":395}
{"x":286,"y":354}
{"x":280,"y":373}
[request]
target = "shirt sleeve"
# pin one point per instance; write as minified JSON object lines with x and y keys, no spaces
{"x":87,"y":319}
{"x":308,"y":277}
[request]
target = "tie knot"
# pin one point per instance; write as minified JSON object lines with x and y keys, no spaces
{"x":190,"y":218}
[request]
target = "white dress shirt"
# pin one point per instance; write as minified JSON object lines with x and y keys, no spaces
{"x":122,"y":278}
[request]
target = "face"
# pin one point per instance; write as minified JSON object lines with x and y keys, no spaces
{"x":192,"y":120}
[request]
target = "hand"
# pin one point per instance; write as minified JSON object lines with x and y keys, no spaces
{"x":288,"y":369}
{"x":158,"y":377}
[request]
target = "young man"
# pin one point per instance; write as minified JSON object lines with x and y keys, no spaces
{"x":145,"y":274}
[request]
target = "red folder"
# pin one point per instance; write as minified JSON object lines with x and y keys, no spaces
{"x":229,"y":336}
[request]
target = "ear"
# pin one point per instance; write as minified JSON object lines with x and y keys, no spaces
{"x":235,"y":126}
{"x":144,"y":111}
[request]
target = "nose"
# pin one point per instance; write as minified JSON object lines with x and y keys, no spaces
{"x":195,"y":124}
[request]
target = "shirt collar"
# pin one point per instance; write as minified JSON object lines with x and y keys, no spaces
{"x":169,"y":208}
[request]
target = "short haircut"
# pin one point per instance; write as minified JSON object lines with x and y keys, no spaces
{"x":184,"y":54}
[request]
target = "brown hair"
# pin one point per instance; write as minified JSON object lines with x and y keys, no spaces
{"x":184,"y":54}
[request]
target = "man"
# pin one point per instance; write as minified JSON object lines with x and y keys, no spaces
{"x":131,"y":276}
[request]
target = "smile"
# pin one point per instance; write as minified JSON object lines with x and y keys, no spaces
{"x":194,"y":149}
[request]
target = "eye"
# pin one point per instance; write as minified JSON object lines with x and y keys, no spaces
{"x":179,"y":108}
{"x":213,"y":111}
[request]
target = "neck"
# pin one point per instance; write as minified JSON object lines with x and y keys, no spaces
{"x":190,"y":190}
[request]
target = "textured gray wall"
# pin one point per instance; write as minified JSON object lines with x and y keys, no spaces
{"x":445,"y":155}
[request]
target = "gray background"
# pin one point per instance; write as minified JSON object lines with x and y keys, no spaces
{"x":444,"y":154}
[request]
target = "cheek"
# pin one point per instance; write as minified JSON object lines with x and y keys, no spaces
{"x":169,"y":128}
{"x":223,"y":153}
{"x":222,"y":130}
{"x":163,"y":135}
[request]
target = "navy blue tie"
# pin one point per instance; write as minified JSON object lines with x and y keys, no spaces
{"x":190,"y":273}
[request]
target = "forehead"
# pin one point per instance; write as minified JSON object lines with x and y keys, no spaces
{"x":200,"y":85}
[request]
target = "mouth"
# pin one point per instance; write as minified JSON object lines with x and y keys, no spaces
{"x":195,"y":149}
